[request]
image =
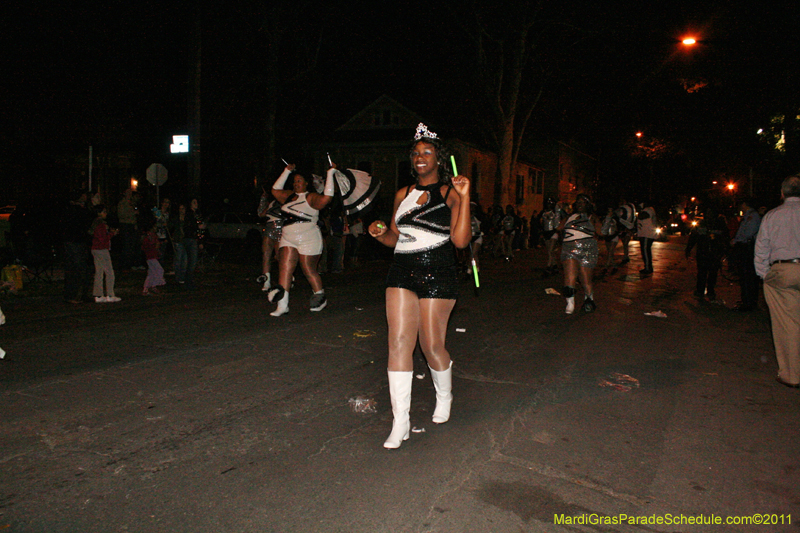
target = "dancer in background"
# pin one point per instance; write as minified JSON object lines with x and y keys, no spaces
{"x":646,"y":225}
{"x":301,"y":239}
{"x":551,"y":219}
{"x":579,"y":252}
{"x":626,"y":215}
{"x":430,"y":220}
{"x":610,"y":233}
{"x":271,"y":211}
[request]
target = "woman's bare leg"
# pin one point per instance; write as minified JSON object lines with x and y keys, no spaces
{"x":268,"y":247}
{"x":586,"y":280}
{"x":434,"y":316}
{"x":550,"y":244}
{"x":287,"y":262}
{"x":611,"y":246}
{"x":570,"y":278}
{"x":570,"y":273}
{"x":309,"y":265}
{"x":403,"y":316}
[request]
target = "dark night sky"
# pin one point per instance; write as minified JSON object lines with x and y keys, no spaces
{"x":116,"y":73}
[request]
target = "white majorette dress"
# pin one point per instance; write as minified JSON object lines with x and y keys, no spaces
{"x":300,"y":228}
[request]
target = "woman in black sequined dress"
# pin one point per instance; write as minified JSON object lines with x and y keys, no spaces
{"x":430,"y":219}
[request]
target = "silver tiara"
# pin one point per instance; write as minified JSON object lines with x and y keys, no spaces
{"x":423,"y":131}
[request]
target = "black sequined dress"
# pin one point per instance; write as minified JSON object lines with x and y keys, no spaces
{"x":424,"y":257}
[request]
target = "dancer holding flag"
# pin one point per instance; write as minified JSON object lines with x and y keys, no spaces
{"x":430,"y":219}
{"x":301,"y":240}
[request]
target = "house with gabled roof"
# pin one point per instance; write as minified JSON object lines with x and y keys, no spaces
{"x":377,"y":138}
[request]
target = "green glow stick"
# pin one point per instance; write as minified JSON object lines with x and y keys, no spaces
{"x":474,"y":268}
{"x":472,"y":255}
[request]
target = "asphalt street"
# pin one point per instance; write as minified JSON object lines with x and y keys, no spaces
{"x":195,"y":411}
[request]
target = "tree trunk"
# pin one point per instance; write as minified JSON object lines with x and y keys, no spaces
{"x":505,"y":161}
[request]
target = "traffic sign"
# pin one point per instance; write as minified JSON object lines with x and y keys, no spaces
{"x":157,"y":174}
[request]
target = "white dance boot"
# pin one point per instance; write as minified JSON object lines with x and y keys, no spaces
{"x":443,"y":381}
{"x":267,"y":282}
{"x":400,"y":393}
{"x":569,"y":294}
{"x":283,"y":305}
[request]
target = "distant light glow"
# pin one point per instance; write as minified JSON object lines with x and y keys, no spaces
{"x":689,"y":41}
{"x":180,"y":144}
{"x":760,"y":131}
{"x":134,"y":184}
{"x":731,"y":186}
{"x":639,"y":134}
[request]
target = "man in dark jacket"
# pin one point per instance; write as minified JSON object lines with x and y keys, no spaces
{"x":76,"y":238}
{"x":744,"y":249}
{"x":711,"y":238}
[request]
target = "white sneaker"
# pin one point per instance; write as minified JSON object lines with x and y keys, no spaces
{"x":570,"y":305}
{"x":267,"y":285}
{"x":318,"y":301}
{"x":113,"y":299}
{"x":100,"y":299}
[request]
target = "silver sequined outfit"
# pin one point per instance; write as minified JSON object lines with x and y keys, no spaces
{"x":579,"y":242}
{"x":274,"y":219}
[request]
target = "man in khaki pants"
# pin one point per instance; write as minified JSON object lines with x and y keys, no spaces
{"x":777,"y":261}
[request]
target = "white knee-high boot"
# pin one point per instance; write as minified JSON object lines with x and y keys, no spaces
{"x":283,"y":305}
{"x":443,"y":381}
{"x":400,"y":393}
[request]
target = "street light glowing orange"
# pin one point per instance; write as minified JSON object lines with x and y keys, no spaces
{"x":689,"y":41}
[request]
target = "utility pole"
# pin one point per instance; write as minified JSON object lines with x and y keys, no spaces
{"x":194,"y":109}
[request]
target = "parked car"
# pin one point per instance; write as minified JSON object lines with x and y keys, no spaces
{"x":235,"y":226}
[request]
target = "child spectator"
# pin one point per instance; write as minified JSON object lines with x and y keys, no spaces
{"x":155,"y":272}
{"x":101,"y":246}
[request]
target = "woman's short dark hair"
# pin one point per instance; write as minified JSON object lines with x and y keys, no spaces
{"x":289,"y":185}
{"x":589,"y":203}
{"x":442,"y":157}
